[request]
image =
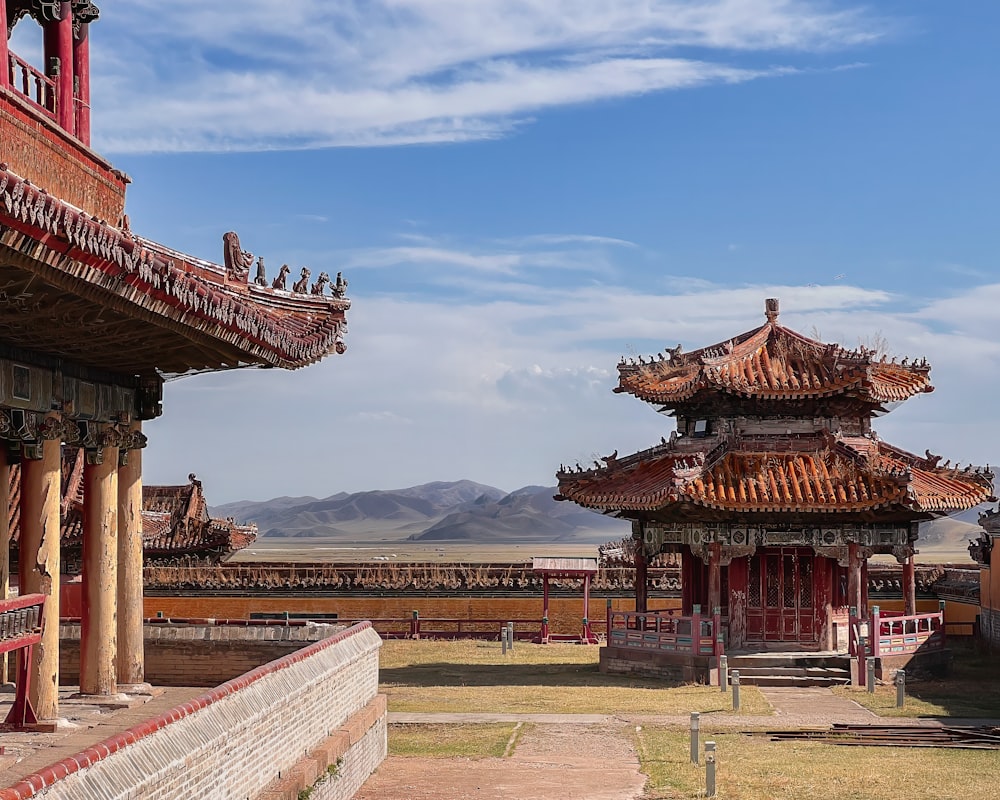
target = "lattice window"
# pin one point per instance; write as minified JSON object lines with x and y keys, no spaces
{"x":806,"y":583}
{"x":772,"y":582}
{"x":753,"y":584}
{"x":788,"y":587}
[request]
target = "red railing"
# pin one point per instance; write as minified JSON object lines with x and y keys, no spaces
{"x":663,"y":632}
{"x":892,"y":633}
{"x":32,"y":85}
{"x":417,"y":627}
{"x":21,"y":629}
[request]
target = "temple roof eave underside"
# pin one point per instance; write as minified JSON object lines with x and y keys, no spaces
{"x":99,"y":296}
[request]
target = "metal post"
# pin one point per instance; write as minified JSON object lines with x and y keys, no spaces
{"x":503,"y":640}
{"x":735,"y":676}
{"x":510,"y":635}
{"x":723,"y":673}
{"x":709,"y":769}
{"x":900,"y":688}
{"x":870,"y":674}
{"x":695,"y":724}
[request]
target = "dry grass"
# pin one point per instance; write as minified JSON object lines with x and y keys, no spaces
{"x":471,"y":676}
{"x":969,"y":690}
{"x":753,"y":768}
{"x":454,"y":741}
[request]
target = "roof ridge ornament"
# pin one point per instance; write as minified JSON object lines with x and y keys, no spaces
{"x":771,"y":309}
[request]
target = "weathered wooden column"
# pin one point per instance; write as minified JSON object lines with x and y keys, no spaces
{"x":39,"y":564}
{"x":687,"y":581}
{"x":4,"y":51}
{"x":714,"y":577}
{"x":131,"y":659}
{"x":81,"y":74}
{"x":855,"y":594}
{"x":909,"y":587}
{"x":99,"y":625}
{"x":4,"y":515}
{"x":641,"y":578}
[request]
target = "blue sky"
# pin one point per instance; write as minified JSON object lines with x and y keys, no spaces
{"x":522,"y":192}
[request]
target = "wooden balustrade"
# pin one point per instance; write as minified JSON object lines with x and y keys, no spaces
{"x":21,"y":629}
{"x":892,"y":634}
{"x":33,"y":86}
{"x":665,"y":632}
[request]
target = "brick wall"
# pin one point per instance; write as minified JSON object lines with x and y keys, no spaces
{"x":989,"y":621}
{"x":235,"y":740}
{"x":40,"y":151}
{"x":565,"y":612}
{"x":200,"y":655}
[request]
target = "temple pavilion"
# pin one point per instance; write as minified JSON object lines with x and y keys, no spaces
{"x":93,"y":319}
{"x":774,"y":488}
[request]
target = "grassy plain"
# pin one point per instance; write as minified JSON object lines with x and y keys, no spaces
{"x":402,"y":551}
{"x":470,"y":676}
{"x":969,"y":690}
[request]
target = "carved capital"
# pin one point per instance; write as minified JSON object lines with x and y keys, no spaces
{"x":52,"y":428}
{"x":903,"y":552}
{"x":729,"y":553}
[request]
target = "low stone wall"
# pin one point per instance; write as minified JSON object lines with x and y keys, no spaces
{"x":201,"y":653}
{"x":238,"y":739}
{"x":675,"y":668}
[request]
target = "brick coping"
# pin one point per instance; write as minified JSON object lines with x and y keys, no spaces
{"x":30,"y":785}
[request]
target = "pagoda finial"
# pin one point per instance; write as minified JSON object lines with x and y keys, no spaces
{"x":771,"y":309}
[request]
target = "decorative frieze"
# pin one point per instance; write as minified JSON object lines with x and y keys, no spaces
{"x":833,"y":539}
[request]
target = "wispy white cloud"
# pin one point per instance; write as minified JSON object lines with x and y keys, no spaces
{"x":189,"y":75}
{"x":504,"y":388}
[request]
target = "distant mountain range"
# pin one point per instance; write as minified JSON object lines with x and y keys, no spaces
{"x":439,"y":511}
{"x":465,"y":511}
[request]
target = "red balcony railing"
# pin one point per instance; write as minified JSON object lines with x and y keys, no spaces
{"x":32,"y":85}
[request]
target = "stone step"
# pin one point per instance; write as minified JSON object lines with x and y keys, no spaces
{"x":795,"y":672}
{"x":794,"y":680}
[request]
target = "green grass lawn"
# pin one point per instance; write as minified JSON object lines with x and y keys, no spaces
{"x":469,"y":676}
{"x":454,"y":741}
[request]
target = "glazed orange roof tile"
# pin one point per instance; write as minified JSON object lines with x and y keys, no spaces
{"x":776,"y":363}
{"x":800,"y":474}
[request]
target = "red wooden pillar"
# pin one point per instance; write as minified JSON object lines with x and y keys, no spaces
{"x":738,"y":586}
{"x":855,"y":596}
{"x":4,"y":51}
{"x":588,"y":635}
{"x":544,"y":636}
{"x":687,"y":582}
{"x":714,"y":577}
{"x":81,"y":72}
{"x":909,"y":587}
{"x":641,"y":579}
{"x":58,"y":34}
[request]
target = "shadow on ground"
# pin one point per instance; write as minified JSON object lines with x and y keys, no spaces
{"x":448,"y":674}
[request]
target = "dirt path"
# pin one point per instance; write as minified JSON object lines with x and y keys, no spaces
{"x":550,"y":762}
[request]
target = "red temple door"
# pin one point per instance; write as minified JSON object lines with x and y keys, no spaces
{"x":780,"y":596}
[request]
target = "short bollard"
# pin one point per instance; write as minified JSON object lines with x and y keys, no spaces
{"x":900,"y":688}
{"x":735,"y":678}
{"x":870,"y":674}
{"x":723,"y":673}
{"x":695,"y":724}
{"x":709,"y":769}
{"x":503,"y":640}
{"x":510,"y":635}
